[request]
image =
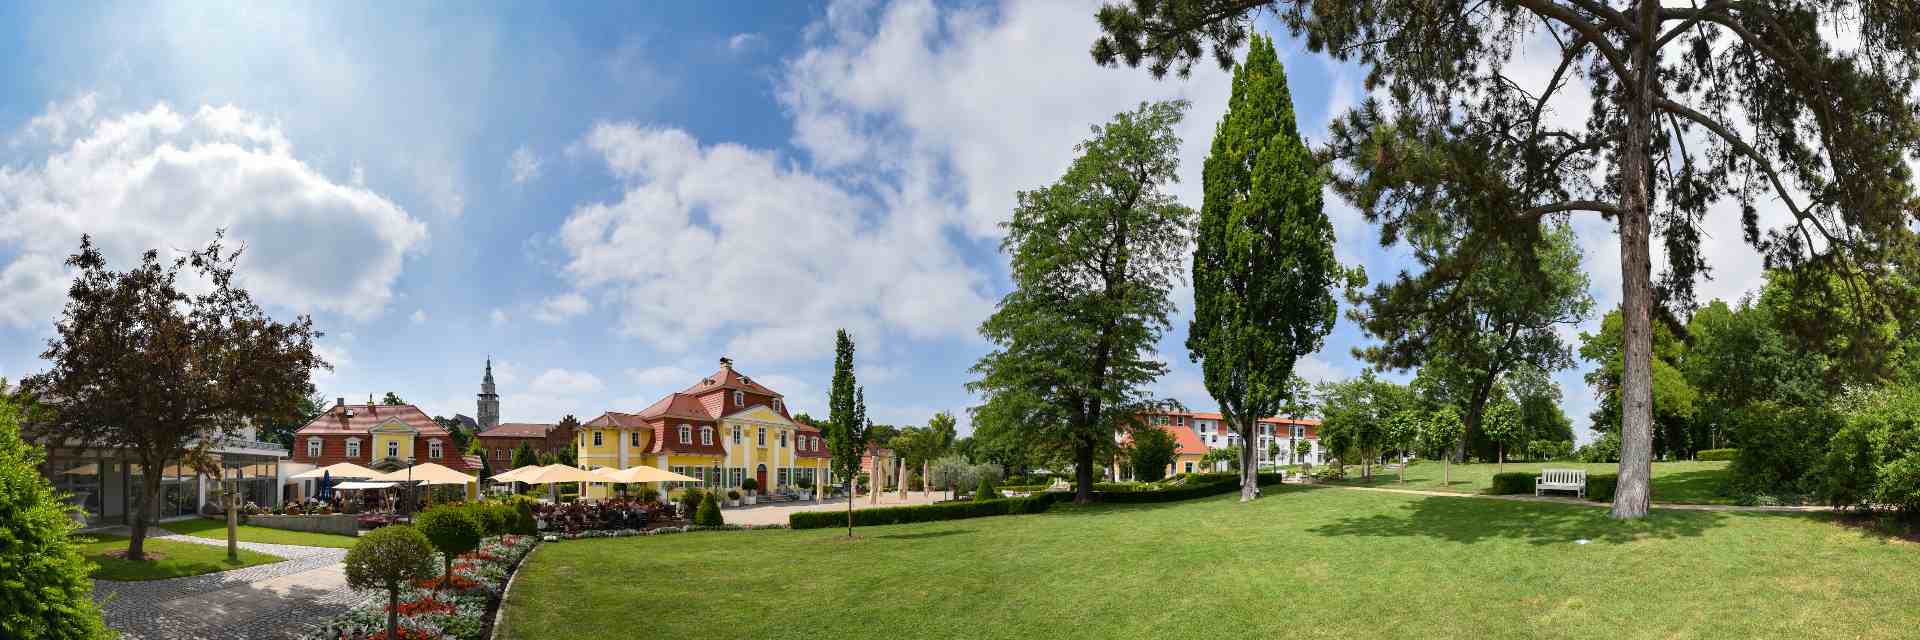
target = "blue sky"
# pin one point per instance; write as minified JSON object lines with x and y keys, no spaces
{"x":606,"y":200}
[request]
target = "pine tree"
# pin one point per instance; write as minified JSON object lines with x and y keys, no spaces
{"x":1263,"y":269}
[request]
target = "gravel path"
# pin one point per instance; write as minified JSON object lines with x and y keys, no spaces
{"x":277,"y":600}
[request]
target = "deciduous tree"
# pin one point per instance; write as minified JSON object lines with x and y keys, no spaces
{"x":1094,"y":258}
{"x":1741,"y":101}
{"x":1150,"y":453}
{"x":149,"y":364}
{"x":846,"y":419}
{"x":1263,"y":266}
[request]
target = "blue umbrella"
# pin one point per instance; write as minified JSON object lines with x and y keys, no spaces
{"x":326,"y":485}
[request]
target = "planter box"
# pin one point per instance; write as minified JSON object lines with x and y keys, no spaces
{"x":334,"y":523}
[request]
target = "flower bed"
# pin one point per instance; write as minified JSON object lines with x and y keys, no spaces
{"x":462,"y":611}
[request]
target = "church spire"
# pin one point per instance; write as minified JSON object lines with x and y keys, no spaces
{"x":489,"y":401}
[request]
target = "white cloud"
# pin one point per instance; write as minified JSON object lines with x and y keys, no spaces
{"x":558,"y":309}
{"x":161,"y":179}
{"x":60,"y":119}
{"x":745,"y":41}
{"x":663,"y":375}
{"x":566,"y":383}
{"x":523,"y":165}
{"x":419,"y":316}
{"x":498,"y":317}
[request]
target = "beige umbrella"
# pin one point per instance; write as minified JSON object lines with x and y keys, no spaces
{"x":644,"y":473}
{"x":514,"y":475}
{"x":557,"y":473}
{"x":338,"y":470}
{"x":428,"y":473}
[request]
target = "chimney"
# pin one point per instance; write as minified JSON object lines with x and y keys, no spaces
{"x":340,"y":401}
{"x":726,"y":363}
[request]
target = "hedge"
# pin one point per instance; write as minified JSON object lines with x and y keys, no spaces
{"x":1512,"y":482}
{"x":1600,"y":486}
{"x":1716,"y":454}
{"x":959,"y":510}
{"x":1197,"y":486}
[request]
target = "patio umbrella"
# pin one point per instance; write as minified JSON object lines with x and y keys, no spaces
{"x":343,"y":469}
{"x":326,"y":486}
{"x":556,"y":473}
{"x":644,"y":473}
{"x":428,"y":473}
{"x":514,"y":475}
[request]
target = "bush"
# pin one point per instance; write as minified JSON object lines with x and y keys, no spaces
{"x":1330,"y":472}
{"x":986,"y":491}
{"x":709,"y":513}
{"x":1606,"y":449}
{"x":733,"y":494}
{"x":1875,"y":458}
{"x":1715,"y":455}
{"x":523,"y":520}
{"x":1600,"y":486}
{"x":389,"y":558}
{"x":495,"y":518}
{"x":1512,"y":482}
{"x":1198,"y":485}
{"x":646,"y":493}
{"x":691,"y":499}
{"x":48,"y":593}
{"x":922,"y":513}
{"x":1780,"y":448}
{"x":750,"y":484}
{"x":451,"y":529}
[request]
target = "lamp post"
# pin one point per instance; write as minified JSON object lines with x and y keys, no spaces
{"x":229,"y":488}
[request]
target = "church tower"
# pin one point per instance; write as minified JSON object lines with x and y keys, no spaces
{"x":489,"y":401}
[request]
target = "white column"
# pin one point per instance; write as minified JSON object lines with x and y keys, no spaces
{"x":622,"y":435}
{"x":750,"y":438}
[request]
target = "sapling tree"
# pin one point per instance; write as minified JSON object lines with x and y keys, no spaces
{"x":1440,"y":431}
{"x":388,"y":558}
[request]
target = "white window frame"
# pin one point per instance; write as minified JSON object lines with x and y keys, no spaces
{"x":783,"y":439}
{"x":353,"y":447}
{"x":778,"y":405}
{"x":393,"y":448}
{"x":816,"y":443}
{"x":706,"y":436}
{"x":736,"y":434}
{"x":739,"y":398}
{"x":499,"y":454}
{"x":762,"y":437}
{"x":686,"y":434}
{"x":433,"y":449}
{"x":314,"y":447}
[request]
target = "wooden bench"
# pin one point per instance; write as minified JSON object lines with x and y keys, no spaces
{"x":1574,"y":480}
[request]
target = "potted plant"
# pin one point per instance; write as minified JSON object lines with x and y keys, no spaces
{"x":733,"y":497}
{"x":750,"y":485}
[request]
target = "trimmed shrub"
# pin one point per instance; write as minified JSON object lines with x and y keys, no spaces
{"x":709,"y":513}
{"x":495,"y":518}
{"x":1600,"y":486}
{"x":750,"y":484}
{"x":691,"y":499}
{"x":47,"y":591}
{"x":986,"y":491}
{"x":1513,"y":482}
{"x":389,"y":558}
{"x":523,"y":521}
{"x":452,"y":530}
{"x":959,"y":510}
{"x":1716,"y":455}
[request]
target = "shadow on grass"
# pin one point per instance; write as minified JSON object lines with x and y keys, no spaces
{"x":1470,"y":520}
{"x":929,"y":534}
{"x":1690,"y":486}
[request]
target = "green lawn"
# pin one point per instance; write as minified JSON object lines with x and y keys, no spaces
{"x":217,"y":530}
{"x":177,"y":559}
{"x":1677,"y":482}
{"x":1304,"y":562}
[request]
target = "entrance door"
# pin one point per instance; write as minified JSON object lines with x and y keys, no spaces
{"x":760,"y":477}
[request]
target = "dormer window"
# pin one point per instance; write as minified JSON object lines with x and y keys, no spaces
{"x":706,"y":436}
{"x":816,"y":443}
{"x":686,"y":434}
{"x":778,"y":405}
{"x":739,"y":398}
{"x":393,"y":448}
{"x":313,"y":447}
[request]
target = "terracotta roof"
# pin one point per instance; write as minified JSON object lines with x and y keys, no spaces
{"x":518,"y":430}
{"x":667,"y":440}
{"x":727,"y":378}
{"x":364,"y":417}
{"x":472,"y":462}
{"x":1215,"y":415}
{"x":1185,"y":441}
{"x":677,"y":405}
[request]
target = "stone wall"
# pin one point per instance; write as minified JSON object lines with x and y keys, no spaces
{"x":335,"y":523}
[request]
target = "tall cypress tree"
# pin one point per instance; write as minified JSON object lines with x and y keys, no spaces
{"x":846,"y":419}
{"x":1263,"y":269}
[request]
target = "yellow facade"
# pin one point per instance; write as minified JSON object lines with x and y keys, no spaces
{"x":390,"y":437}
{"x":752,"y":438}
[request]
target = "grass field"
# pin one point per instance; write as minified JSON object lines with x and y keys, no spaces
{"x":177,"y":559}
{"x":217,"y":530}
{"x":1676,"y":482}
{"x":1304,"y":562}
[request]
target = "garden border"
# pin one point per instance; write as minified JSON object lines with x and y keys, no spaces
{"x":500,"y":610}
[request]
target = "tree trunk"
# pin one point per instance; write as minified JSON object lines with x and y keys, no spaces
{"x":149,"y":511}
{"x":1446,"y":471}
{"x":1636,"y":382}
{"x":851,"y":483}
{"x":1403,"y":469}
{"x":1082,"y":473}
{"x":1502,"y":453}
{"x":393,"y":611}
{"x":1249,"y":472}
{"x":233,"y":521}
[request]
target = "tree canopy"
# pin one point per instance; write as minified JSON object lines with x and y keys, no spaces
{"x":1094,"y":257}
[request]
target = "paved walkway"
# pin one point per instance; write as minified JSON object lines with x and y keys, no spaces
{"x":777,"y":513}
{"x":278,"y":600}
{"x":1584,"y":503}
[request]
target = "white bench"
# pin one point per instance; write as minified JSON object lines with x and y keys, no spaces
{"x":1574,"y":480}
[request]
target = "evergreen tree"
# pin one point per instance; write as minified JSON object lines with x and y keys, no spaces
{"x":1788,"y":116}
{"x":524,"y":456}
{"x":1263,"y":269}
{"x":1094,"y":258}
{"x":846,"y":419}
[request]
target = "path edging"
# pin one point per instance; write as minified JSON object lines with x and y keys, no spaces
{"x":500,"y":611}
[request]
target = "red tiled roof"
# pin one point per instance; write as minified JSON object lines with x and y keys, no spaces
{"x":1215,"y":415}
{"x":727,"y":378}
{"x":1185,"y":441}
{"x":667,"y":440}
{"x":518,"y":430}
{"x":676,"y":405}
{"x":367,"y":416}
